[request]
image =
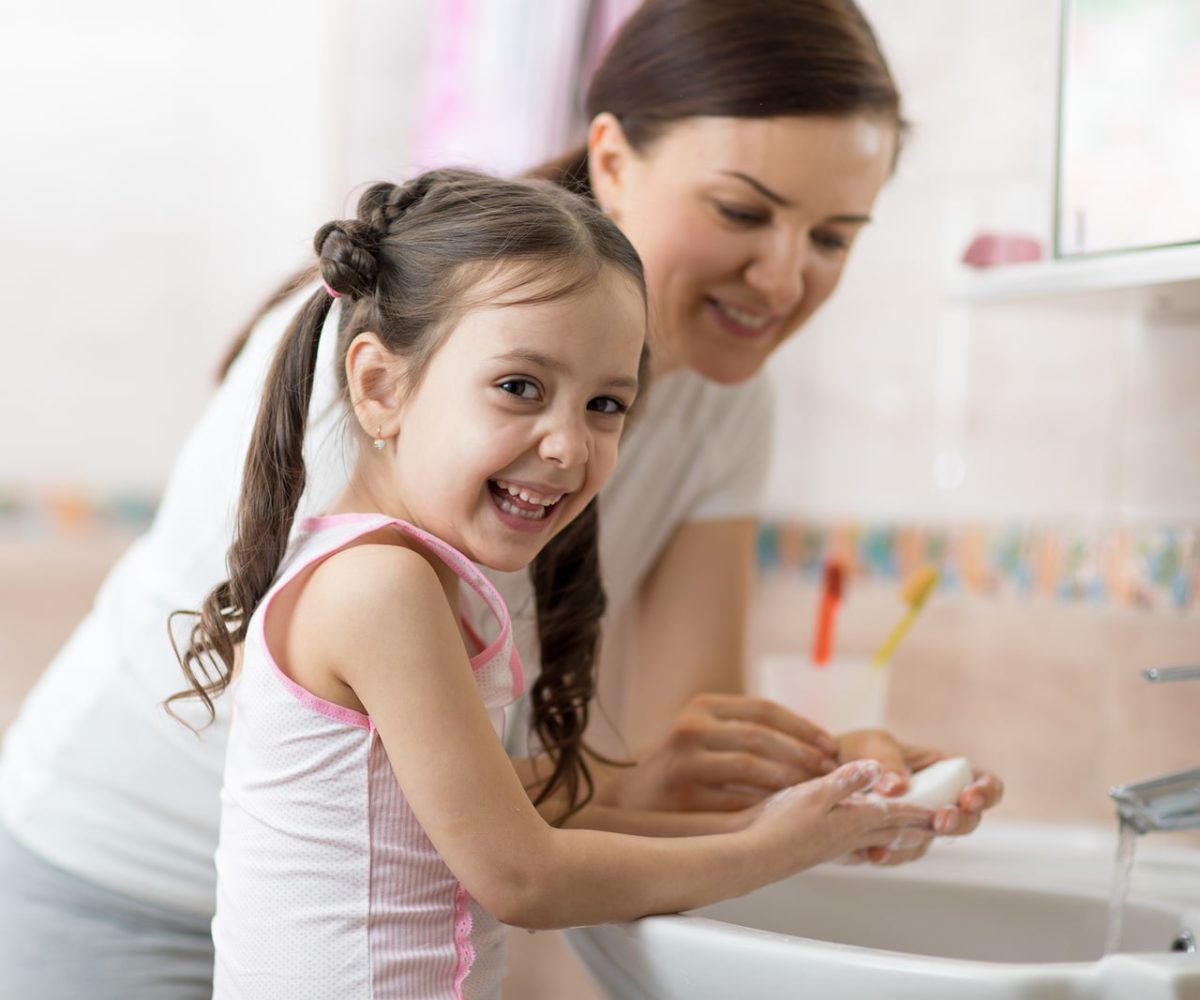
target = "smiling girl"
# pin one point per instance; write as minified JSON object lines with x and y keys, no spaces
{"x":374,"y":833}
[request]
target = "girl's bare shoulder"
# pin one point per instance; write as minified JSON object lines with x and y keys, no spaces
{"x":380,"y":573}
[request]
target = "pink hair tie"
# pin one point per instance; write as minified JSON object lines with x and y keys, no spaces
{"x":332,"y":293}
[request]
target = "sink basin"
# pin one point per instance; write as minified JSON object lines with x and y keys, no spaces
{"x":1010,"y":912}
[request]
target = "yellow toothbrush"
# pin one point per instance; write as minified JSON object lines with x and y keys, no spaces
{"x":914,"y":594}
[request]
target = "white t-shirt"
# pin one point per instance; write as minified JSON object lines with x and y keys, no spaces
{"x":96,"y":777}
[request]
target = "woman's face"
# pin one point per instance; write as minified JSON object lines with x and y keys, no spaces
{"x":743,"y":224}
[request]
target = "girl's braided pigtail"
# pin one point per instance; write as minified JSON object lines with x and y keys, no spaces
{"x":274,"y":475}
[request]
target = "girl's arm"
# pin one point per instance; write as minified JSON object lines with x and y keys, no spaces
{"x":383,"y":628}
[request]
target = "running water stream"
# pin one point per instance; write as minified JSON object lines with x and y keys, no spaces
{"x":1122,"y":875}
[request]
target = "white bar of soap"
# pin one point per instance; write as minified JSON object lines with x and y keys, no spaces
{"x":940,"y":784}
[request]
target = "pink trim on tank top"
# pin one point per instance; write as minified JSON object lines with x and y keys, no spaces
{"x":329,"y":709}
{"x":462,"y":939}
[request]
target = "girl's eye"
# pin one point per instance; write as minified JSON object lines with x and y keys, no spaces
{"x":523,"y":388}
{"x":607,"y":405}
{"x":741,"y":216}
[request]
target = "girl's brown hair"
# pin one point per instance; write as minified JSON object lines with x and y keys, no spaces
{"x":406,"y":269}
{"x":677,"y":59}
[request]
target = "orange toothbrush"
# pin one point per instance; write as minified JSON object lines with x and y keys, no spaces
{"x":831,"y":595}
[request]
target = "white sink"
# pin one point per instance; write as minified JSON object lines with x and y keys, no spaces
{"x":1010,"y":912}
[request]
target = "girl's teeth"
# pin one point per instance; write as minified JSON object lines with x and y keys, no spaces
{"x":510,"y":508}
{"x":516,"y":491}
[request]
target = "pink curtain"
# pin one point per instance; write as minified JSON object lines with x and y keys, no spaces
{"x":503,"y":83}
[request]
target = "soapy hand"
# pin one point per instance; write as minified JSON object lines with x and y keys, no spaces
{"x":899,"y":761}
{"x":824,"y":818}
{"x":726,"y":752}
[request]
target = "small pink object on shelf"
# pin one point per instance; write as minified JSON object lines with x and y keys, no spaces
{"x":989,"y":249}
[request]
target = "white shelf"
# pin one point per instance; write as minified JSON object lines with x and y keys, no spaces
{"x":1132,"y":269}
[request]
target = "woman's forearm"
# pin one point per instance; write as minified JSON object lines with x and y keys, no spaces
{"x":691,"y":627}
{"x":602,"y":814}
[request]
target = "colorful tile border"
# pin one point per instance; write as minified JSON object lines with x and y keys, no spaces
{"x":67,"y":512}
{"x":1147,"y":568}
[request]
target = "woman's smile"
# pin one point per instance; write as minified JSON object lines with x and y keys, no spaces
{"x":744,"y":323}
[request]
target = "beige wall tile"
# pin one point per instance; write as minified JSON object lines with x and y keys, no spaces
{"x":1047,"y":696}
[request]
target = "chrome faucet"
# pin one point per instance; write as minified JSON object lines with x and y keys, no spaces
{"x":1170,"y":801}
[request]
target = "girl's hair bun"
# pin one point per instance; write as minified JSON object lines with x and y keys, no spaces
{"x":346,"y":249}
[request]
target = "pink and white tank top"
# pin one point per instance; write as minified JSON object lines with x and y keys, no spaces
{"x":326,"y":884}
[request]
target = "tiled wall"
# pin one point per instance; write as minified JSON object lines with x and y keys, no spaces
{"x":1046,"y":694}
{"x":1043,"y":453}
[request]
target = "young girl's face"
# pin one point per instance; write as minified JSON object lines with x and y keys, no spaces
{"x":744,"y":226}
{"x":514,"y":425}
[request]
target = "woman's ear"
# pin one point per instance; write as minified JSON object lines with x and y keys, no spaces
{"x":375,"y":377}
{"x":609,"y":156}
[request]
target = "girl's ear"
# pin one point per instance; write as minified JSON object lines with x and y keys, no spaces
{"x":609,"y":155}
{"x":375,"y":377}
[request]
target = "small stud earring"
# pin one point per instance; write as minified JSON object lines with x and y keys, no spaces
{"x":379,"y":443}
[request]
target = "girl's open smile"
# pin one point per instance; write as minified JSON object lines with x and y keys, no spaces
{"x":522,"y":507}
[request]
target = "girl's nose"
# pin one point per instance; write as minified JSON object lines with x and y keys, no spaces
{"x":565,"y":442}
{"x":777,"y":270}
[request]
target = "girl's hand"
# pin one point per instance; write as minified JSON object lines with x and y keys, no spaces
{"x":826,"y":818}
{"x":899,"y":761}
{"x":727,"y":752}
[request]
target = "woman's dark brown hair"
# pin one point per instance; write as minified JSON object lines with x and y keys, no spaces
{"x":677,"y":59}
{"x":411,"y":264}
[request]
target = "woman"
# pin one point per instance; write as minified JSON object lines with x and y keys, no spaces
{"x":741,"y":147}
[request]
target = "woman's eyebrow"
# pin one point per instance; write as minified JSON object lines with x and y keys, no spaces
{"x":780,"y":200}
{"x":758,"y":186}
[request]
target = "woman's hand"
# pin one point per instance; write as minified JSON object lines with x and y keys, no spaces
{"x":898,"y":761}
{"x":727,"y":752}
